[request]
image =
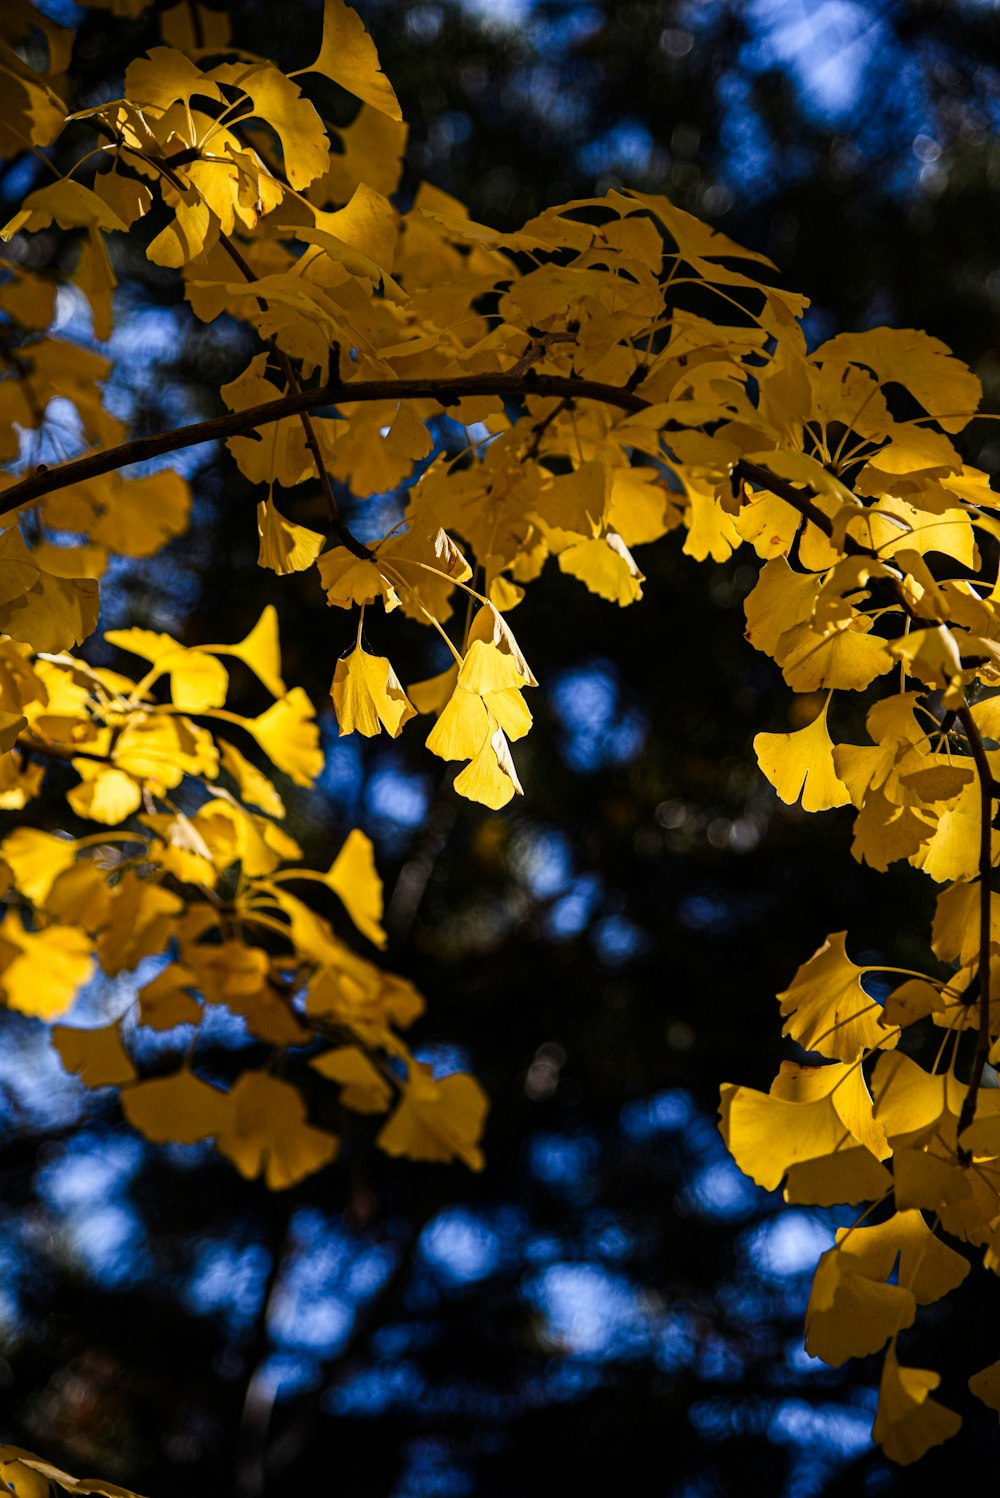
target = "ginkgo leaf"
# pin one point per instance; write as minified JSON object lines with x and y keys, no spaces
{"x":766,"y":1135}
{"x":96,"y":1056}
{"x":284,"y":546}
{"x":69,"y":203}
{"x":11,"y":727}
{"x":254,"y":786}
{"x":348,"y":56}
{"x":165,"y":1002}
{"x":278,"y":101}
{"x":828,"y":1010}
{"x":349,"y":580}
{"x":932,"y":655}
{"x":801,"y":764}
{"x":177,"y":1109}
{"x":986,"y":1386}
{"x":927,"y":1268}
{"x":367,"y":696}
{"x":37,"y":859}
{"x":908,"y":1422}
{"x":261,"y":651}
{"x":105,"y":794}
{"x":925,"y":366}
{"x":490,"y":777}
{"x":353,"y":877}
{"x":845,"y":1084}
{"x":606,"y":566}
{"x":851,"y":1314}
{"x":363,"y":1087}
{"x":434,"y":694}
{"x":264,"y":1132}
{"x":288,"y":735}
{"x":81,"y":897}
{"x":437,"y":1120}
{"x":48,"y":968}
{"x":844,"y":1178}
{"x":141,"y":925}
{"x":463,"y":728}
{"x":28,"y":1476}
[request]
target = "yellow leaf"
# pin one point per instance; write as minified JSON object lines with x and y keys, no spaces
{"x":353,"y":877}
{"x":164,"y":1002}
{"x":909,"y":1423}
{"x":80,"y":897}
{"x":364,"y":1088}
{"x":348,"y":56}
{"x":367,"y":696}
{"x":925,"y":366}
{"x":462,"y":729}
{"x":950,"y":850}
{"x":801,"y":764}
{"x":927,"y":1268}
{"x":37,"y":859}
{"x":288,"y":735}
{"x":284,"y":546}
{"x":851,"y":1314}
{"x":96,"y":1056}
{"x":606,"y":566}
{"x":69,"y":203}
{"x":27,"y":1476}
{"x":279,"y":103}
{"x":828,"y":1010}
{"x":55,"y":614}
{"x":986,"y":1386}
{"x":105,"y":794}
{"x":915,"y":1106}
{"x":932,"y":656}
{"x":261,"y":651}
{"x":490,"y":778}
{"x":437,"y":1120}
{"x":197,"y":681}
{"x":254,"y":786}
{"x":165,"y":76}
{"x":264,"y":1132}
{"x":238,"y":976}
{"x":912,"y":1001}
{"x":48,"y":968}
{"x":142,"y":922}
{"x":176,"y":1109}
{"x":433,"y":695}
{"x":487,"y":669}
{"x":349,"y":580}
{"x":11,"y":725}
{"x":767,"y":1133}
{"x":850,"y":1176}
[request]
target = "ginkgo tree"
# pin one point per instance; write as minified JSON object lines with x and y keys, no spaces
{"x":623,"y":371}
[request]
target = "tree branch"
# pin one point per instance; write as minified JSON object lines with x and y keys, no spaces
{"x":448,"y":391}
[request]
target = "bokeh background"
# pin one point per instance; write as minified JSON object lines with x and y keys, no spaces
{"x":610,"y":1305}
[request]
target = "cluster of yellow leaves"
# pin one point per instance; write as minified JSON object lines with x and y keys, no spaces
{"x":635,"y":415}
{"x":209,"y":894}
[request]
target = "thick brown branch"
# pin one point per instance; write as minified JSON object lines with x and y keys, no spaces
{"x":447,"y":391}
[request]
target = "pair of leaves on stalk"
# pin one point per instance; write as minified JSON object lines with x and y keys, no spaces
{"x":478,"y":700}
